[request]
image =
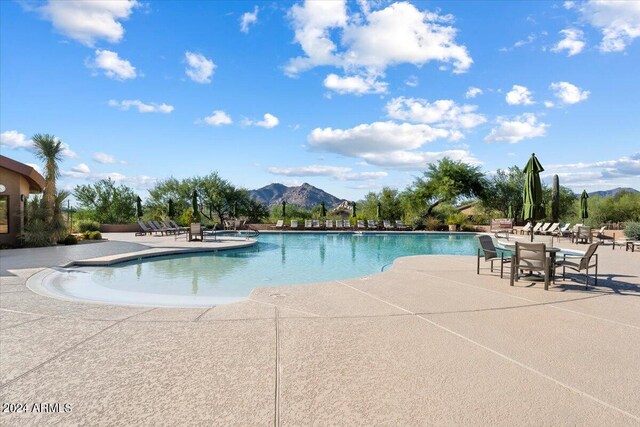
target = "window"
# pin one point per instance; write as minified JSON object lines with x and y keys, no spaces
{"x":4,"y":214}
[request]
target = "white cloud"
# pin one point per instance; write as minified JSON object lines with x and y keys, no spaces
{"x":268,"y":121}
{"x":417,"y":160}
{"x":412,"y":81}
{"x":357,"y":85}
{"x":443,"y":112}
{"x":569,"y":4}
{"x":112,"y":65}
{"x":328,"y":35}
{"x":82,"y":168}
{"x":337,"y":172}
{"x":141,"y":106}
{"x":601,"y":175}
{"x":218,"y":118}
{"x":573,"y":42}
{"x":626,"y":165}
{"x":549,"y":104}
{"x":568,"y":93}
{"x":248,"y":19}
{"x":519,"y":95}
{"x":89,"y":21}
{"x":105,"y":158}
{"x":199,"y":68}
{"x":521,"y":127}
{"x":472,"y":92}
{"x":619,"y":22}
{"x":15,"y":139}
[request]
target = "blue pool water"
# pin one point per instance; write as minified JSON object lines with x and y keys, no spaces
{"x":227,"y":276}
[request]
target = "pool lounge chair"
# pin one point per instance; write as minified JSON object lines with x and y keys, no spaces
{"x":387,"y":224}
{"x":338,"y":224}
{"x":530,"y":257}
{"x":294,"y":224}
{"x":315,"y":224}
{"x":160,"y":226}
{"x":579,"y":263}
{"x":400,"y":225}
{"x":328,"y":223}
{"x":361,"y":225}
{"x":526,"y":229}
{"x":157,"y":228}
{"x":372,"y":224}
{"x":346,"y":224}
{"x":144,"y":229}
{"x":535,"y":229}
{"x":563,"y":231}
{"x":307,"y":224}
{"x":600,"y":234}
{"x":279,"y":224}
{"x":490,"y":253}
{"x":542,"y":229}
{"x":171,"y":228}
{"x":552,"y":229}
{"x":176,"y":226}
{"x":583,"y":235}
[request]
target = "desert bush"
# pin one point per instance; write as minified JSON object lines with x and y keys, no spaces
{"x":632,"y":230}
{"x":95,"y":235}
{"x":70,"y":240}
{"x":433,"y":224}
{"x":87,"y":225}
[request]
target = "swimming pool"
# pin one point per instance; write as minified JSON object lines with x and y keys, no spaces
{"x":211,"y":278}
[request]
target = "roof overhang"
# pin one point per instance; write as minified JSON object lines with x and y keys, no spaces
{"x":35,"y":180}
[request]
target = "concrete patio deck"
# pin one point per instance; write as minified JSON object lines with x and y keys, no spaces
{"x":427,"y":342}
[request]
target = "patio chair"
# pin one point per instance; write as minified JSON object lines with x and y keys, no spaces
{"x":387,"y":224}
{"x":552,"y":229}
{"x":583,"y":235}
{"x":144,"y":229}
{"x":526,"y":229}
{"x":168,"y":226}
{"x":579,"y":263}
{"x":279,"y":224}
{"x":372,"y":224}
{"x":160,"y":226}
{"x":196,"y":230}
{"x":328,"y":223}
{"x":400,"y":225}
{"x":307,"y":223}
{"x":294,"y":224}
{"x":490,"y":253}
{"x":361,"y":225}
{"x":530,"y":257}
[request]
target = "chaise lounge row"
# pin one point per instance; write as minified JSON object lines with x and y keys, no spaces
{"x":162,"y":227}
{"x":330,"y":224}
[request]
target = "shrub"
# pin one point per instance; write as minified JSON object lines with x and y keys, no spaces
{"x":84,"y":226}
{"x":457,"y":219}
{"x":433,"y":224}
{"x":95,"y":235}
{"x":632,"y":230}
{"x":70,"y":240}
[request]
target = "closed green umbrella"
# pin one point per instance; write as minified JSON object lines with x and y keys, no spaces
{"x":284,"y":208}
{"x":139,"y":207}
{"x":323,"y":210}
{"x":584,"y":213}
{"x":194,"y":204}
{"x":172,"y":211}
{"x":353,"y":210}
{"x":532,"y":208}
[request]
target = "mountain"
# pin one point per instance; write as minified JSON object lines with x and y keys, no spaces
{"x":305,"y":195}
{"x":613,"y":192}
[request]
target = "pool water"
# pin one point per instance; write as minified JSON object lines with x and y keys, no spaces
{"x":211,"y":278}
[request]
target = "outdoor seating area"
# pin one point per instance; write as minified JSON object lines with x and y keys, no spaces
{"x":340,"y":225}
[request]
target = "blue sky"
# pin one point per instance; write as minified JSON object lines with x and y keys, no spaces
{"x":349,"y":97}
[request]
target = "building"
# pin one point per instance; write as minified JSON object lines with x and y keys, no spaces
{"x":17,"y":181}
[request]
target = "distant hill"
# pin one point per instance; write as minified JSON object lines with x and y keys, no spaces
{"x":305,"y":195}
{"x":613,"y":192}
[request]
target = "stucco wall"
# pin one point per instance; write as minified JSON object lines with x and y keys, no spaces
{"x":16,"y":185}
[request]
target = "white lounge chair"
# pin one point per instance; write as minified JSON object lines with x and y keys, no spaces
{"x":400,"y":225}
{"x":347,"y":224}
{"x":279,"y":224}
{"x":526,"y":229}
{"x":308,"y":223}
{"x":372,"y":224}
{"x":552,"y":229}
{"x":387,"y":224}
{"x":544,"y":227}
{"x":339,"y":224}
{"x":328,"y":223}
{"x":294,"y":224}
{"x":361,"y":225}
{"x":315,"y":224}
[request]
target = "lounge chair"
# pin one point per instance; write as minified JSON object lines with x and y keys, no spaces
{"x":552,"y":229}
{"x":387,"y":224}
{"x":372,"y":224}
{"x":542,"y":229}
{"x":535,"y":229}
{"x":347,"y":224}
{"x":579,"y":263}
{"x":526,"y":229}
{"x":157,"y":228}
{"x":315,"y":224}
{"x":161,"y":226}
{"x":490,"y":253}
{"x":328,"y":223}
{"x":530,"y":257}
{"x":400,"y":225}
{"x":563,"y":231}
{"x":294,"y":224}
{"x":361,"y":225}
{"x":144,"y":229}
{"x":501,"y":226}
{"x":169,"y":227}
{"x":279,"y":224}
{"x":600,"y":234}
{"x":196,"y":230}
{"x":338,"y":224}
{"x":307,"y":223}
{"x":175,"y":225}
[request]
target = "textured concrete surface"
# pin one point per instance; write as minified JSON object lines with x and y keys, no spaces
{"x":427,"y":342}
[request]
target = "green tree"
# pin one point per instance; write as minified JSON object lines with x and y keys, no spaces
{"x":107,"y":203}
{"x":49,"y":150}
{"x":566,"y":206}
{"x":391,"y":204}
{"x":255,"y":211}
{"x":447,"y":181}
{"x":220,"y":196}
{"x":504,"y":189}
{"x":157,"y":204}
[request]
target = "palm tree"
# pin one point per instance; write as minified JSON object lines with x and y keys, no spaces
{"x":49,"y":149}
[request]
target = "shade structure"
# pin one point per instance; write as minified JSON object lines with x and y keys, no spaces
{"x":584,"y":209}
{"x":139,"y":206}
{"x":323,"y":210}
{"x":172,"y":211}
{"x":379,"y":211}
{"x":284,"y":208}
{"x":353,"y":209}
{"x":532,"y":204}
{"x":194,"y":203}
